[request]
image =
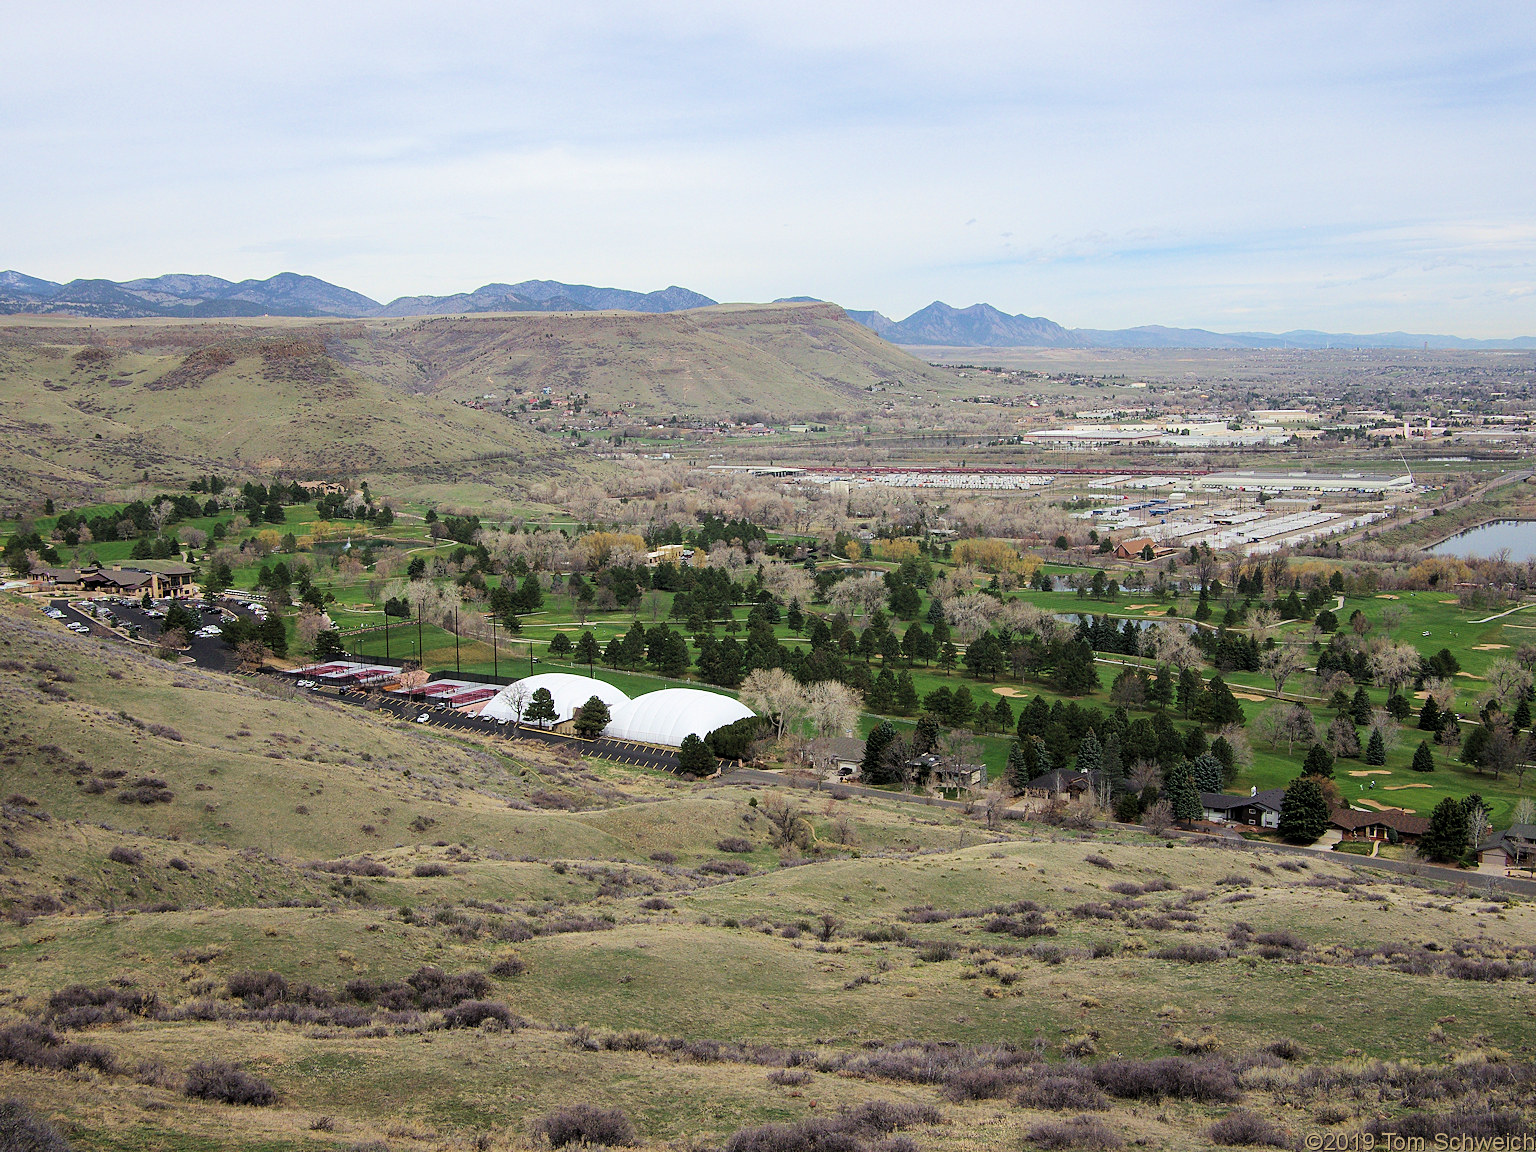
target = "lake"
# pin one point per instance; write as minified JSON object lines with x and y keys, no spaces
{"x":1519,"y":536}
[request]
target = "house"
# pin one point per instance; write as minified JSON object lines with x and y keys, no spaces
{"x":1132,"y":549}
{"x":945,"y":775}
{"x":1513,"y":848}
{"x":841,"y":759}
{"x":1392,"y":825}
{"x":1257,"y":809}
{"x":1064,"y":785}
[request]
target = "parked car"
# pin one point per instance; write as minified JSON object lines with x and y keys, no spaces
{"x":423,"y":718}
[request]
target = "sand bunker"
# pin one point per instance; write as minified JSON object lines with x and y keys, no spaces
{"x":1372,"y":772}
{"x":1004,"y":690}
{"x":1387,"y":596}
{"x":1249,"y":696}
{"x":1379,"y":806}
{"x":1469,"y":676}
{"x":1450,"y":601}
{"x":1139,"y":607}
{"x":1488,"y":647}
{"x":1400,"y":787}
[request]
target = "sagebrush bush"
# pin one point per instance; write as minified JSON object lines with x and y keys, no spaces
{"x":473,"y":1013}
{"x":124,"y":855}
{"x":509,"y":966}
{"x":228,"y":1084}
{"x":1099,"y":861}
{"x":1246,"y":1128}
{"x":21,"y":1131}
{"x":1078,"y":1132}
{"x":1207,"y":1081}
{"x":583,"y":1123}
{"x":734,"y":844}
{"x":1062,"y":1094}
{"x":427,"y":870}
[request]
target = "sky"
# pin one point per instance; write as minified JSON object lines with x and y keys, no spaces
{"x":1358,"y":167}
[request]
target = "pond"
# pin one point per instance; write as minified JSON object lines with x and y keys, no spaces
{"x":1519,"y":536}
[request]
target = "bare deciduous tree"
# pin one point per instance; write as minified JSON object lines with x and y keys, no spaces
{"x":773,"y":692}
{"x":833,"y":708}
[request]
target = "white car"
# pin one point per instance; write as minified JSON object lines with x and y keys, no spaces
{"x":423,"y":718}
{"x":73,"y":627}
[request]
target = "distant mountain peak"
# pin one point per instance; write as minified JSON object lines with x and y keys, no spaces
{"x":295,"y":294}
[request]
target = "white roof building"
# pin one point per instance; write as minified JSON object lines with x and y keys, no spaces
{"x":666,"y":717}
{"x":570,"y":693}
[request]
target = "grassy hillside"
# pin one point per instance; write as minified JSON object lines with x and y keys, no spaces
{"x":84,"y":409}
{"x":769,"y":361}
{"x":421,"y":943}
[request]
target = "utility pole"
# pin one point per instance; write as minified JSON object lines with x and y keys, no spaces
{"x":495,"y":662}
{"x":455,"y":641}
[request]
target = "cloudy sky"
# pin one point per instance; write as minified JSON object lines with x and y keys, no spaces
{"x":1348,"y":167}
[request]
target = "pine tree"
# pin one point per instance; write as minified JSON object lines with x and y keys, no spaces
{"x":1090,"y":753}
{"x":1002,"y":714}
{"x":1189,"y":689}
{"x":541,"y":708}
{"x":560,"y":645}
{"x":1113,"y":763}
{"x":1360,"y":706}
{"x":1019,"y":771}
{"x":1209,"y":773}
{"x":1522,"y":717}
{"x":593,"y":718}
{"x":949,"y":656}
{"x":1180,"y":792}
{"x":873,"y":767}
{"x":693,"y":757}
{"x":1423,"y":758}
{"x":1203,"y":607}
{"x":1160,"y":690}
{"x":882,"y":694}
{"x":587,"y":651}
{"x":906,"y":695}
{"x":1222,"y":749}
{"x":1376,"y":750}
{"x":1034,"y":717}
{"x":1319,"y":762}
{"x":1195,"y":743}
{"x":1446,"y":840}
{"x":794,"y":618}
{"x":1304,"y":811}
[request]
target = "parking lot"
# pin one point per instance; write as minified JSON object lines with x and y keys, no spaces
{"x":618,"y":751}
{"x":117,"y":617}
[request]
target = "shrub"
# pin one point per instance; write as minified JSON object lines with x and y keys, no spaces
{"x":177,"y":863}
{"x":509,"y":966}
{"x":124,"y":855}
{"x":1246,"y":1128}
{"x":1099,"y":861}
{"x":257,"y":989}
{"x":936,"y":953}
{"x":425,"y":870}
{"x":1206,"y":1081}
{"x":1484,"y":1124}
{"x":664,"y":857}
{"x":734,"y":844}
{"x":33,"y":1046}
{"x":585,"y":1124}
{"x":227,"y":1084}
{"x":1190,"y":953}
{"x":656,"y":904}
{"x":1062,"y":1093}
{"x":21,"y":1131}
{"x":1287,"y":940}
{"x":1079,"y":1132}
{"x":473,"y":1013}
{"x":789,"y":1077}
{"x":726,"y":867}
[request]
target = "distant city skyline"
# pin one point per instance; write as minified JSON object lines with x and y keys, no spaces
{"x":1343,"y":167}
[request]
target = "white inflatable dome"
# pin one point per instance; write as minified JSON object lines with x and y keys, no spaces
{"x":666,"y":717}
{"x":570,"y":693}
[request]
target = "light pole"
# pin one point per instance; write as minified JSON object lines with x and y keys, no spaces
{"x":455,"y":641}
{"x":495,"y":662}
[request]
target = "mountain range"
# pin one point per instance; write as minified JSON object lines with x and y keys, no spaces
{"x":939,"y":324}
{"x":983,"y":326}
{"x":290,"y":294}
